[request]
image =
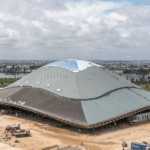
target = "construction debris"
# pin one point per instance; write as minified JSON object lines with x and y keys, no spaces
{"x":6,"y":138}
{"x":124,"y":144}
{"x":17,"y":141}
{"x":134,"y":122}
{"x":56,"y":147}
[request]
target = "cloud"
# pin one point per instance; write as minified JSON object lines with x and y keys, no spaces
{"x":54,"y":29}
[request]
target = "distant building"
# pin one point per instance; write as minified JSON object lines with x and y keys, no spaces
{"x":8,"y":67}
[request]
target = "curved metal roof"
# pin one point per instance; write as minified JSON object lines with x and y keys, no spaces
{"x":92,"y":81}
{"x":86,"y":114}
{"x":77,"y":92}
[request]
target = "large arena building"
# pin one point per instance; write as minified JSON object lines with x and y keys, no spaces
{"x":76,"y":92}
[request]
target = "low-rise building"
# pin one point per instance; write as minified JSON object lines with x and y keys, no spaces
{"x":140,"y":117}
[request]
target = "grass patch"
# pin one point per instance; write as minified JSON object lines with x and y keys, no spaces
{"x":7,"y":81}
{"x":145,"y":86}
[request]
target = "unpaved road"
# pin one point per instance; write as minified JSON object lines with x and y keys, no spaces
{"x":100,"y":139}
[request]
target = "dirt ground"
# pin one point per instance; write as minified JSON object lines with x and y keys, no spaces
{"x":45,"y":134}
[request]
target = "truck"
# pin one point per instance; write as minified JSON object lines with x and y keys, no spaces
{"x":139,"y":146}
{"x":21,"y":133}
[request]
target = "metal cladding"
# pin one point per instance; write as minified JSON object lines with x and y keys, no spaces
{"x":77,"y":92}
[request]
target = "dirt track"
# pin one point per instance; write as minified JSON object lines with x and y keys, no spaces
{"x":100,"y":139}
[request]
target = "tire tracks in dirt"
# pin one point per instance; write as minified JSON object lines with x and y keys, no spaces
{"x":93,"y":145}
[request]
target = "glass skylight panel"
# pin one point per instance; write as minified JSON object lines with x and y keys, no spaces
{"x":48,"y":85}
{"x":38,"y":83}
{"x":27,"y":82}
{"x":58,"y":90}
{"x":18,"y":83}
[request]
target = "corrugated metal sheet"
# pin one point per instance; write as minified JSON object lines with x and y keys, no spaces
{"x":142,"y":93}
{"x":90,"y":83}
{"x":113,"y":105}
{"x":42,"y":100}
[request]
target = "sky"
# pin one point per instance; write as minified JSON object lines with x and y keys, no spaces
{"x":71,"y":29}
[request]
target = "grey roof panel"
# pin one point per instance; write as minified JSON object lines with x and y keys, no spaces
{"x":90,"y":83}
{"x":51,"y":104}
{"x":142,"y":93}
{"x":112,"y":105}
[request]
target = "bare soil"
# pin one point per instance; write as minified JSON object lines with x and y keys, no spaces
{"x":45,"y":134}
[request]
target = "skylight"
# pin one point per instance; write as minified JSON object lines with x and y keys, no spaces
{"x":48,"y":85}
{"x":38,"y":83}
{"x":58,"y":90}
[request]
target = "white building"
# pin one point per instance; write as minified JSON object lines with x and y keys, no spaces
{"x":140,"y":117}
{"x":8,"y":67}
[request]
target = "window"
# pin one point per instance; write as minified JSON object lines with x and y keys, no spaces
{"x":27,"y":81}
{"x":18,"y":83}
